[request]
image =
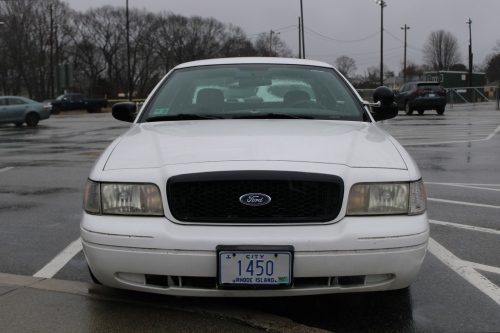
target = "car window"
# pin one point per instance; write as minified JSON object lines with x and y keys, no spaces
{"x":16,"y":101}
{"x":408,"y":87}
{"x":401,"y":88}
{"x":3,"y":101}
{"x":232,"y":91}
{"x":430,"y":86}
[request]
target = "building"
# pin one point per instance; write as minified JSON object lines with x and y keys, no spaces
{"x":456,"y":79}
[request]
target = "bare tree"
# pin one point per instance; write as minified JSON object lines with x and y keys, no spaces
{"x":346,"y":66}
{"x":441,"y":50}
{"x":493,"y":67}
{"x":372,"y":73}
{"x":279,"y":47}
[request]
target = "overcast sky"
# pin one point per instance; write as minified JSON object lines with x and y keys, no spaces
{"x":347,"y":20}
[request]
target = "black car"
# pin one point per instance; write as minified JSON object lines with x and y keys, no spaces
{"x":70,"y":102}
{"x":421,"y":96}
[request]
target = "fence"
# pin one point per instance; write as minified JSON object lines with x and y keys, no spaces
{"x":472,"y":95}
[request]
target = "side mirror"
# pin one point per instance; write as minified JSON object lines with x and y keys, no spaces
{"x":65,"y":98}
{"x":387,"y":109}
{"x":126,"y":111}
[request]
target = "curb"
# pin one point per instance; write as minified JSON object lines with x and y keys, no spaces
{"x":205,"y":306}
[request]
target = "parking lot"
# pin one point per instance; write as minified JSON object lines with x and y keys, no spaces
{"x":43,"y":172}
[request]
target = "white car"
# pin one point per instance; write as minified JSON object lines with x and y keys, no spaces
{"x":249,"y":177}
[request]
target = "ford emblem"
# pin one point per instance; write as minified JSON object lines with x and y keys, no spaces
{"x":255,"y":199}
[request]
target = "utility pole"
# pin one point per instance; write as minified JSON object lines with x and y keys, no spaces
{"x":128,"y":59}
{"x":300,"y":41}
{"x":271,"y":43}
{"x":404,"y":67}
{"x":382,"y":4}
{"x":469,"y":22}
{"x":51,"y":82}
{"x":303,"y":38}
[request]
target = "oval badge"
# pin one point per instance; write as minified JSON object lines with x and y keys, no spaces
{"x":255,"y":199}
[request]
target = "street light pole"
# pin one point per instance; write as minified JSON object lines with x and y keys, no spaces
{"x":404,"y":66}
{"x":128,"y":59}
{"x":469,"y":22}
{"x":303,"y":39}
{"x":382,"y":4}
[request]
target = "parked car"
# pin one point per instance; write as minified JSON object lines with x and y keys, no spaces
{"x":295,"y":192}
{"x":421,"y":96}
{"x":70,"y":102}
{"x":19,"y":110}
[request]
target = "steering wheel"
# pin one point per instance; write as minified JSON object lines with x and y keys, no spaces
{"x":307,"y":103}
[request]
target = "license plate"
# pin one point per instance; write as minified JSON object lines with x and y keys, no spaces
{"x":255,"y":268}
{"x":432,"y":95}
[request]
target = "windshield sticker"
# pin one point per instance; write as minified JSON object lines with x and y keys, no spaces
{"x":161,"y":111}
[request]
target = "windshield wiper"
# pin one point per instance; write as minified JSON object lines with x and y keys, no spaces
{"x":272,"y":116}
{"x":183,"y":116}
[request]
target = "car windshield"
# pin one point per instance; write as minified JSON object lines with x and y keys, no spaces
{"x":59,"y":98}
{"x":253,"y":91}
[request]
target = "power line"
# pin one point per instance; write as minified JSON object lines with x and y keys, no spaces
{"x":408,"y":45}
{"x":353,"y":54}
{"x":340,"y":40}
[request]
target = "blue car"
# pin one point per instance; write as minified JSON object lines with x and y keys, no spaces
{"x":20,"y":110}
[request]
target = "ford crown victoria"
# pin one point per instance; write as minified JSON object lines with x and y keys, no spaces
{"x":250,"y":177}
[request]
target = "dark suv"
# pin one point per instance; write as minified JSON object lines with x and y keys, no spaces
{"x":421,"y":96}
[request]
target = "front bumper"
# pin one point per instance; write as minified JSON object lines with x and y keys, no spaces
{"x":387,"y":250}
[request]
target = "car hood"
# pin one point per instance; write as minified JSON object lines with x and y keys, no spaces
{"x":355,"y":144}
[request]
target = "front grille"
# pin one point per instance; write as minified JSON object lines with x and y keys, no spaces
{"x":295,"y":197}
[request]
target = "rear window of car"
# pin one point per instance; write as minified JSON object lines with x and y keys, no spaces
{"x":430,"y":86}
{"x":230,"y":91}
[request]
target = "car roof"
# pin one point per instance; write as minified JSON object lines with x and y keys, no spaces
{"x":254,"y":60}
{"x":21,"y":97}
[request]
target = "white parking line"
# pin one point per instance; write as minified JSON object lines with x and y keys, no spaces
{"x":464,"y":226}
{"x":60,"y":260}
{"x":465,"y":270}
{"x":446,"y":142}
{"x":467,"y":186}
{"x":462,"y":203}
{"x":7,"y":168}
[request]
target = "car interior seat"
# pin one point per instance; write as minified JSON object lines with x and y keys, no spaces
{"x":210,"y":100}
{"x":293,"y":96}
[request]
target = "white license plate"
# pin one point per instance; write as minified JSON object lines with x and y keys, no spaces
{"x":255,"y":267}
{"x":432,"y":95}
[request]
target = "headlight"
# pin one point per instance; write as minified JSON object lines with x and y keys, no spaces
{"x":92,"y":198}
{"x":123,"y":199}
{"x":387,"y":199}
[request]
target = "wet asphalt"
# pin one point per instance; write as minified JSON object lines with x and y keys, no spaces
{"x":459,"y":158}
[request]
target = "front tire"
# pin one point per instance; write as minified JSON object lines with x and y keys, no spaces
{"x":408,"y":109}
{"x":421,"y":112}
{"x":55,"y":110}
{"x":440,"y":111}
{"x":32,"y":119}
{"x":96,"y":109}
